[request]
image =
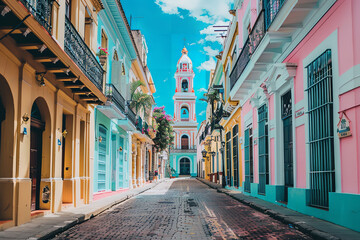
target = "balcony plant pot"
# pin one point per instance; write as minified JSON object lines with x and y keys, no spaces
{"x":102,"y":59}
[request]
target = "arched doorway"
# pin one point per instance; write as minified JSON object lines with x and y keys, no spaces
{"x":36,"y":140}
{"x":184,"y":142}
{"x":184,"y":166}
{"x":6,"y":149}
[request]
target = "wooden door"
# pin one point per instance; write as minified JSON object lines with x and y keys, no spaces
{"x":35,"y":165}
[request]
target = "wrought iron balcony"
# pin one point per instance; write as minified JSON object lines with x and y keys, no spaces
{"x":146,"y":129}
{"x":41,"y":10}
{"x":253,"y":41}
{"x":115,"y":96}
{"x":77,"y":49}
{"x":139,"y":124}
{"x":271,"y":7}
{"x":131,"y":115}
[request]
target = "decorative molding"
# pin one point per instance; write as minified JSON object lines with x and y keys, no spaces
{"x":279,"y":75}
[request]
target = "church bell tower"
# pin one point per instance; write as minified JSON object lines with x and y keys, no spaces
{"x":183,"y":157}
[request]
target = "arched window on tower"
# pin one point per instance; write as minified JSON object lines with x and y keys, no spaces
{"x":185,"y":85}
{"x":184,"y":142}
{"x":184,"y":114}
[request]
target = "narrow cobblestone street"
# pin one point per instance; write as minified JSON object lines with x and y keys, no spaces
{"x":182,"y":209}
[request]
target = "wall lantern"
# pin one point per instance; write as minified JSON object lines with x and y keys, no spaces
{"x":40,"y":78}
{"x":25,"y":118}
{"x":123,"y":69}
{"x":64,"y":133}
{"x":120,"y":149}
{"x":204,"y":152}
{"x":100,"y":139}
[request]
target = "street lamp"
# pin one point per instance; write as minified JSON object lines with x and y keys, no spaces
{"x":204,"y":152}
{"x":223,"y":160}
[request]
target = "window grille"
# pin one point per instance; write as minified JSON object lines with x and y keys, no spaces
{"x":236,"y":155}
{"x":286,"y":117}
{"x":263,"y":149}
{"x":321,"y":134}
{"x":228,"y":158}
{"x":248,"y":147}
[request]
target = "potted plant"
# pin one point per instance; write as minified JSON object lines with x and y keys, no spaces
{"x":102,"y":54}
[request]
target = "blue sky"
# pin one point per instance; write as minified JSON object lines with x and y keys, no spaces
{"x":165,"y":24}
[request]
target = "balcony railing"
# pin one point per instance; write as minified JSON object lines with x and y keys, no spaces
{"x":146,"y":129}
{"x":139,"y":124}
{"x":41,"y":10}
{"x":272,"y":7}
{"x":114,"y":96}
{"x":77,"y":49}
{"x":253,"y":41}
{"x":131,"y":115}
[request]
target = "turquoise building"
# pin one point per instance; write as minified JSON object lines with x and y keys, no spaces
{"x":114,"y":121}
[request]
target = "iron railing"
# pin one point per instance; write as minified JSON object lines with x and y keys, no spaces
{"x":321,"y":134}
{"x":146,"y":129}
{"x":41,"y":10}
{"x":131,"y":115}
{"x":115,"y":96}
{"x":77,"y":49}
{"x":253,"y":41}
{"x":263,"y":149}
{"x":271,"y":7}
{"x":139,"y":124}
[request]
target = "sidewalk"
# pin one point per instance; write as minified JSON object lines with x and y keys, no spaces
{"x":314,"y":227}
{"x":52,"y":224}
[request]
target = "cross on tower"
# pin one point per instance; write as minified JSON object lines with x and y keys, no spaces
{"x":184,"y":42}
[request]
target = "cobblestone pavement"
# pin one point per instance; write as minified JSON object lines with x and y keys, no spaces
{"x":182,"y":209}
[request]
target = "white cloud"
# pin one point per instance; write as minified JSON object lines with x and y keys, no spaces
{"x":208,"y":65}
{"x":202,"y":113}
{"x":165,"y":80}
{"x":211,"y":52}
{"x":202,"y":90}
{"x":207,"y":11}
{"x":201,"y":41}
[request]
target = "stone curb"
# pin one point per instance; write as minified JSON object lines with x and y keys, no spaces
{"x":303,"y":227}
{"x":84,"y":217}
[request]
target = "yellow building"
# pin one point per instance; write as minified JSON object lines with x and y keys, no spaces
{"x":143,"y":152}
{"x":231,"y":123}
{"x":49,"y":81}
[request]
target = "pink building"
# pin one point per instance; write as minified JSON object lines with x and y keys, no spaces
{"x":297,"y":80}
{"x":183,"y":154}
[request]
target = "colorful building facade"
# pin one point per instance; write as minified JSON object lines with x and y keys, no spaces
{"x":295,"y":80}
{"x":113,"y":123}
{"x":47,"y":99}
{"x":183,"y":155}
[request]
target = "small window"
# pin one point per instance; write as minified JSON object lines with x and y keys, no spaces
{"x":68,"y":9}
{"x":184,"y":142}
{"x":184,"y":114}
{"x":104,"y":39}
{"x":185,"y":85}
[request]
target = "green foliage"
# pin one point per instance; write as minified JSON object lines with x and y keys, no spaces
{"x":164,"y":134}
{"x":138,"y":99}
